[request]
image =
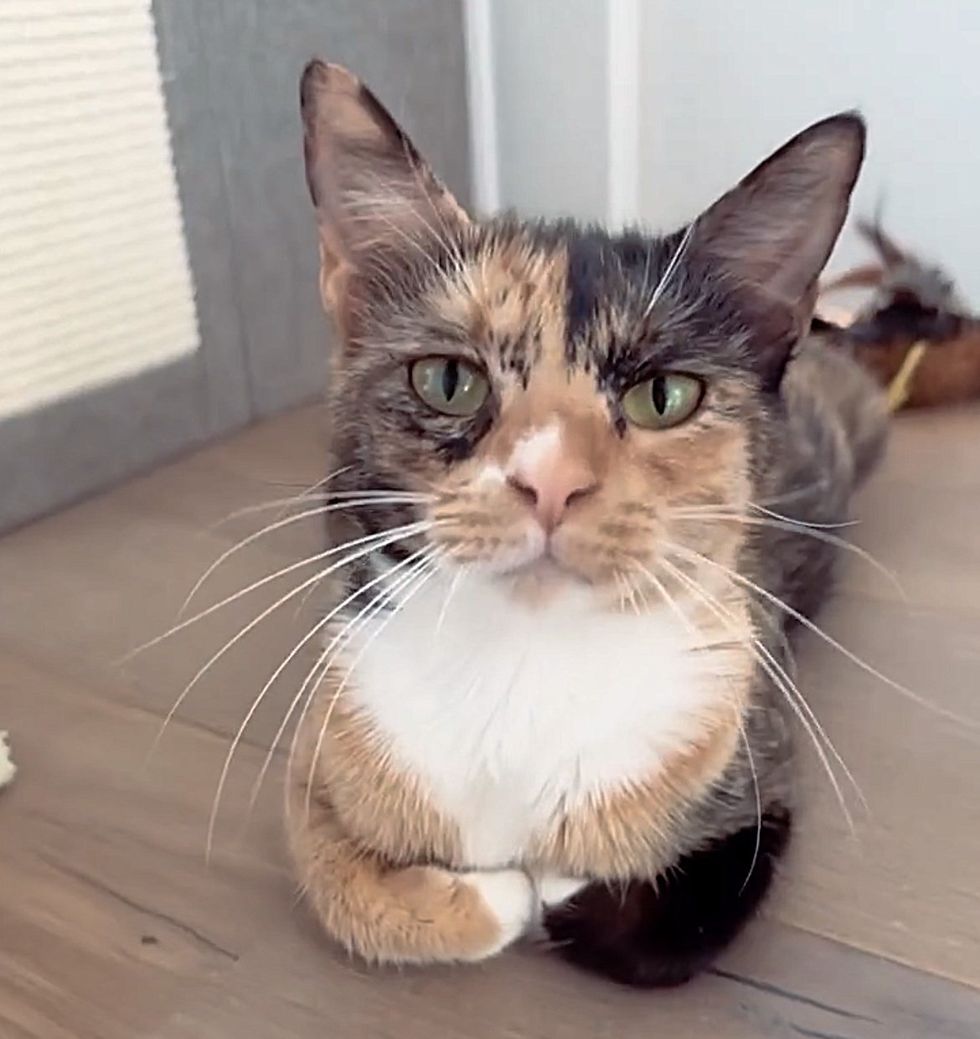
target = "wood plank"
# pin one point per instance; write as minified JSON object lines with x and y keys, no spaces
{"x":907,"y":884}
{"x":108,"y":911}
{"x":779,"y":984}
{"x":113,"y":572}
{"x":917,"y":516}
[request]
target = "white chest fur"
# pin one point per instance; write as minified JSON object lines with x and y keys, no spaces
{"x":510,"y":715}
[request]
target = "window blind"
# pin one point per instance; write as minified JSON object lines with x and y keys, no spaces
{"x":94,"y":277}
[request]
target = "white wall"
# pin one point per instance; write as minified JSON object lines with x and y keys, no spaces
{"x":550,"y":84}
{"x":724,"y":83}
{"x":720,"y":84}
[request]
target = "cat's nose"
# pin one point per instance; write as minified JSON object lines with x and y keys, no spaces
{"x":551,"y":488}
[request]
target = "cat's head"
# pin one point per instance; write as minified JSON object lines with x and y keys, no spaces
{"x":556,"y":400}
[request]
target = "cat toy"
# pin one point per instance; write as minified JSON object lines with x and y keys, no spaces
{"x":914,"y":333}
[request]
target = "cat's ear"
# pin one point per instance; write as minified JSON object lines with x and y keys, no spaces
{"x":772,"y":234}
{"x":371,"y":189}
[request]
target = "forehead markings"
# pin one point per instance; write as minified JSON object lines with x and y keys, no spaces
{"x":510,"y":302}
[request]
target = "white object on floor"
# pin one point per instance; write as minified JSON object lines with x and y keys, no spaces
{"x":7,"y":768}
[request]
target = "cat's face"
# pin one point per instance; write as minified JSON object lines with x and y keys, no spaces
{"x":561,"y":403}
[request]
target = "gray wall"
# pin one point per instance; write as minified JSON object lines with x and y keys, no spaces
{"x":233,"y":65}
{"x":230,"y":69}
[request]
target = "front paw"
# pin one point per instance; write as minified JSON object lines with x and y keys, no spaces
{"x":509,"y":897}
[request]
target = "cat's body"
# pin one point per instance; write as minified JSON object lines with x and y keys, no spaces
{"x":558,"y":672}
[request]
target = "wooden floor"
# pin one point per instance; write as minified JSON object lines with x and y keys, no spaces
{"x":113,"y":926}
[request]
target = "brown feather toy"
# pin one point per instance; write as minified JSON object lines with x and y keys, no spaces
{"x":914,"y":334}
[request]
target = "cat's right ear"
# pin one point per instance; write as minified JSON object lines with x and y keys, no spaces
{"x":372,"y":191}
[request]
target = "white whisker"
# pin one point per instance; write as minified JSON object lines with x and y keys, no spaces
{"x":839,"y":525}
{"x":803,"y":530}
{"x":820,"y":633}
{"x":671,"y":268}
{"x":672,"y":604}
{"x":311,"y":634}
{"x":454,"y":584}
{"x":261,"y":583}
{"x":314,"y":495}
{"x":758,"y":803}
{"x":320,"y":510}
{"x":375,"y":543}
{"x":767,"y":662}
{"x":334,"y":699}
{"x":267,"y":760}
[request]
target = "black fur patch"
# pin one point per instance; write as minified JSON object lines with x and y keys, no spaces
{"x":660,"y":935}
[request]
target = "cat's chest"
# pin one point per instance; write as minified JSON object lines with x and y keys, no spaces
{"x":511,"y":717}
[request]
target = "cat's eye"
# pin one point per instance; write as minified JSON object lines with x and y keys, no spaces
{"x":665,"y":400}
{"x":449,"y":385}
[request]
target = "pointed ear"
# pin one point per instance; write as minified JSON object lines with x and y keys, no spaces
{"x":371,"y":190}
{"x":771,"y":235}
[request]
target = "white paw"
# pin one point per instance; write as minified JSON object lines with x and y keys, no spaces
{"x":509,"y":895}
{"x":554,"y":889}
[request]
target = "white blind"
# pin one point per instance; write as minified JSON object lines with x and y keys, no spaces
{"x":94,"y":279}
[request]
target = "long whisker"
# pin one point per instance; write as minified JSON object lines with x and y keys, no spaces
{"x":701,"y":639}
{"x":768,"y":664}
{"x":730,"y":510}
{"x":671,"y":602}
{"x":313,"y":495}
{"x":758,"y":803}
{"x":423,"y":580}
{"x":670,"y":269}
{"x":312,"y":633}
{"x":320,"y":510}
{"x":280,"y":502}
{"x":454,"y":584}
{"x":622,"y":592}
{"x":264,"y":581}
{"x":797,"y":493}
{"x":375,"y":543}
{"x":839,"y":525}
{"x":791,"y":687}
{"x":791,"y":526}
{"x":267,"y":760}
{"x":830,"y":640}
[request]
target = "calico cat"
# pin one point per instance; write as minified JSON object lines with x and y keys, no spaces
{"x":572,"y":473}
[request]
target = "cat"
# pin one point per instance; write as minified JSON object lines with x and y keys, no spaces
{"x":573,"y":475}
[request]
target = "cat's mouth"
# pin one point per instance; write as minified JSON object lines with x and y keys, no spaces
{"x":540,"y":579}
{"x":539,"y":582}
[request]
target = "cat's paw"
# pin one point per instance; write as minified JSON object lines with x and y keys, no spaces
{"x":509,"y":896}
{"x":553,"y":889}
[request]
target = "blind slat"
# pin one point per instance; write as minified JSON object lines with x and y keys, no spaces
{"x":94,"y":278}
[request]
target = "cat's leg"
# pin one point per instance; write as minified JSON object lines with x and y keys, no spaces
{"x":414,"y":914}
{"x":662,"y":934}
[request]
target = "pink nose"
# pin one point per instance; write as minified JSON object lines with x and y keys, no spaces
{"x":550,"y":489}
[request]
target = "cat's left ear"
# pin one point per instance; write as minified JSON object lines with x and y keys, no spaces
{"x":371,"y":189}
{"x":771,"y":235}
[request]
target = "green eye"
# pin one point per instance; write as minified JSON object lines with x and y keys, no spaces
{"x":665,"y":400}
{"x":450,"y":386}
